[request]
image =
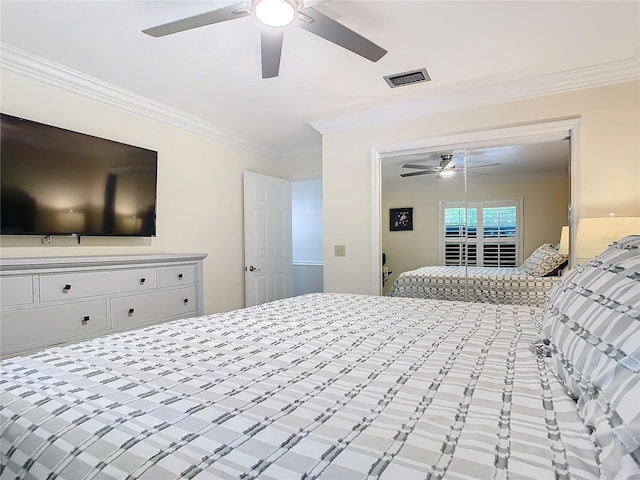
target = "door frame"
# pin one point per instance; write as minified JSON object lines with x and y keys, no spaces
{"x":534,"y":132}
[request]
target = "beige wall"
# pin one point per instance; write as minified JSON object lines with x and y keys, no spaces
{"x":303,"y":165}
{"x":200,"y":179}
{"x":607,"y":174}
{"x":545,"y":202}
{"x":199,"y":206}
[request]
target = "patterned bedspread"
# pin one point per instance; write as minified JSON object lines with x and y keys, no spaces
{"x":474,"y":284}
{"x":332,"y":386}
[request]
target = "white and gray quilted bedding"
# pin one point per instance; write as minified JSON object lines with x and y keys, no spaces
{"x":334,"y":386}
{"x":474,"y":284}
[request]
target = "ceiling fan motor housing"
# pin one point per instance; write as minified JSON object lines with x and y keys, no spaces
{"x":275,"y":14}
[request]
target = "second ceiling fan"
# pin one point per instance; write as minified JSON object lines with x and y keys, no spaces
{"x":446,"y":168}
{"x":274,"y":15}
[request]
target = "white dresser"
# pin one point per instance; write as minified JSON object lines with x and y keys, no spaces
{"x":55,"y":300}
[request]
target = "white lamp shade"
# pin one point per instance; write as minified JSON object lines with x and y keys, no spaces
{"x":564,"y":241}
{"x":596,"y":234}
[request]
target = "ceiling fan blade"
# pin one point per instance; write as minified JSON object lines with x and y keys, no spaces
{"x":229,"y":12}
{"x":421,"y":167}
{"x":271,"y":44}
{"x":327,"y":28}
{"x":413,"y":174}
{"x":482,"y":166}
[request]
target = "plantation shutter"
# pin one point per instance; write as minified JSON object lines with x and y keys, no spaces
{"x":460,"y":231}
{"x":490,"y":238}
{"x":499,"y":236}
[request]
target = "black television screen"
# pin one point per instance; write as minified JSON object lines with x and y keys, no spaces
{"x":59,"y":182}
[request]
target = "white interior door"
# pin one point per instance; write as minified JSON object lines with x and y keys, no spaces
{"x":267,"y":238}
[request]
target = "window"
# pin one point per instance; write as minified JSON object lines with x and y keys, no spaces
{"x":456,"y":249}
{"x":482,"y":233}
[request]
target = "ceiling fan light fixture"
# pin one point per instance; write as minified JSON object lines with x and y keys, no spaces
{"x":446,"y":173}
{"x":275,"y":13}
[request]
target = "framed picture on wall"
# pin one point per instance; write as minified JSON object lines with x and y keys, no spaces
{"x":400,"y":219}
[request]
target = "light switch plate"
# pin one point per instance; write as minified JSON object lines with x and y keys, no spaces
{"x":339,"y":250}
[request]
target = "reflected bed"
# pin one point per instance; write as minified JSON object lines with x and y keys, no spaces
{"x":527,"y":284}
{"x":474,"y":284}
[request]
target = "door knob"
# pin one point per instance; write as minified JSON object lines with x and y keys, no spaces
{"x":251,"y":268}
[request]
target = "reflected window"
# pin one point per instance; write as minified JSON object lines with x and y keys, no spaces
{"x":483,"y":234}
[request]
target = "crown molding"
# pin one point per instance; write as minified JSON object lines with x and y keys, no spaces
{"x":24,"y":63}
{"x":32,"y":66}
{"x":555,"y":83}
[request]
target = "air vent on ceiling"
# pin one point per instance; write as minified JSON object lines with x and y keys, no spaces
{"x":407,"y":78}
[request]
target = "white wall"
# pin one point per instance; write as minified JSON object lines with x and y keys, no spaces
{"x":306,"y":203}
{"x":306,"y":212}
{"x":303,"y":165}
{"x":608,"y":170}
{"x":199,"y":206}
{"x":306,"y":279}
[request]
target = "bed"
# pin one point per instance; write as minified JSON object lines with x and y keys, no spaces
{"x":474,"y":284}
{"x":339,"y":386}
{"x":528,"y":284}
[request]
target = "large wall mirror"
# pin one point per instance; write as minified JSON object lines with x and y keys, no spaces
{"x":490,"y":204}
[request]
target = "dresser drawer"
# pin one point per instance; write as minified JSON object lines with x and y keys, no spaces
{"x":52,"y":324}
{"x":77,"y":285}
{"x":151,"y":306}
{"x":173,"y":276}
{"x":16,"y":290}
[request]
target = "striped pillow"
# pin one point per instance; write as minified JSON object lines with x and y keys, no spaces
{"x":544,"y":260}
{"x":592,"y":323}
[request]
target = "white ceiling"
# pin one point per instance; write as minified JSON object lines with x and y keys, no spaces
{"x":213,"y":73}
{"x":544,"y":157}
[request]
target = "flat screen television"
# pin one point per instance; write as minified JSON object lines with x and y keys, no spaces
{"x":58,"y":182}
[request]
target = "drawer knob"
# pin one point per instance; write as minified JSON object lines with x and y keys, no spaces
{"x":186,"y":300}
{"x":85,"y":320}
{"x":131,"y":310}
{"x":180,"y":276}
{"x":66,"y":288}
{"x":142,"y":280}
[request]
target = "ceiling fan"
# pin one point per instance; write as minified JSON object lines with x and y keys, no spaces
{"x":443,"y":170}
{"x":274,"y":15}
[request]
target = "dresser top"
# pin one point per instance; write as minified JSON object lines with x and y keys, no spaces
{"x":36,"y":263}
